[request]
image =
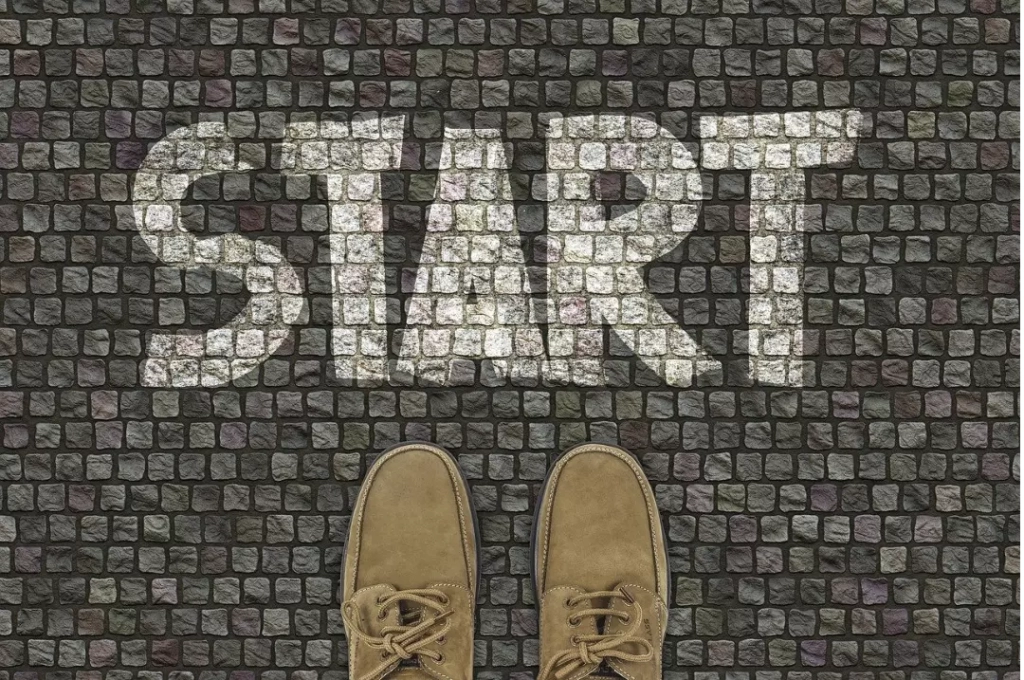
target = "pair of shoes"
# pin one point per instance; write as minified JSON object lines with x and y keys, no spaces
{"x":411,"y":569}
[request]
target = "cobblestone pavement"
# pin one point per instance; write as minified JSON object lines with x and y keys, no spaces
{"x":855,"y":518}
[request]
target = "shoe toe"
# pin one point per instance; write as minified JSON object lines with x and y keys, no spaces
{"x":413,"y":525}
{"x":599,"y":524}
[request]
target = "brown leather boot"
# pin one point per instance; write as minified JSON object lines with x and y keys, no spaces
{"x":410,"y":569}
{"x":600,"y":568}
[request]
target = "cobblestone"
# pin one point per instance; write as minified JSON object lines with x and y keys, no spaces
{"x":856,"y":517}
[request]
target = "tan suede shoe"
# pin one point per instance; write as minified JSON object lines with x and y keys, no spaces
{"x":410,"y":570}
{"x":600,"y":568}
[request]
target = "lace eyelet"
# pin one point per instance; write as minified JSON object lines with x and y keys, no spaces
{"x":573,"y":622}
{"x":575,"y":639}
{"x":383,"y":655}
{"x":568,"y":603}
{"x":380,"y":600}
{"x":441,"y":640}
{"x":444,"y":599}
{"x":440,"y":659}
{"x":382,"y":614}
{"x":627,"y":618}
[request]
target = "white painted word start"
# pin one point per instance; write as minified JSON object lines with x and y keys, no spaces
{"x":594,"y":259}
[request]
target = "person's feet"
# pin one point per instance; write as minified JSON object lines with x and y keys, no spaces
{"x":600,"y":568}
{"x":410,"y":570}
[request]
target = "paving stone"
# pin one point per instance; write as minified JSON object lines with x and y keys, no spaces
{"x":858,"y":520}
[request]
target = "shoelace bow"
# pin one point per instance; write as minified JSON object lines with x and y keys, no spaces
{"x":593,"y":649}
{"x":408,"y":639}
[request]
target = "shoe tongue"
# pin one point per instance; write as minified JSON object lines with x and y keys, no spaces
{"x":408,"y":673}
{"x":605,"y":672}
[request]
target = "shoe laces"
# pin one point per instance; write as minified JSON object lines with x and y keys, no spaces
{"x":419,"y":628}
{"x":595,"y":648}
